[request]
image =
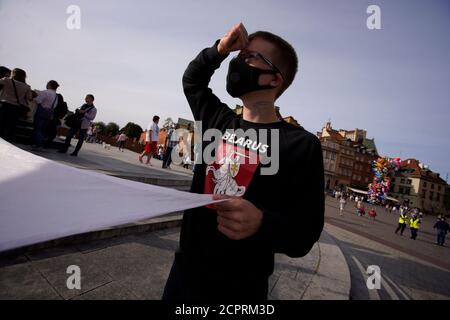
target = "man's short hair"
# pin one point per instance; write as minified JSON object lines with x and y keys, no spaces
{"x":52,"y":84}
{"x":90,"y":96}
{"x":285,"y":58}
{"x":19,"y":75}
{"x":155,"y":118}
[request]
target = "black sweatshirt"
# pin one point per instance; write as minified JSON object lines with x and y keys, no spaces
{"x":292,"y":200}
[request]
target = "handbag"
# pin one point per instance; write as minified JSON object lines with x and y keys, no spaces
{"x":74,"y":120}
{"x":23,"y":109}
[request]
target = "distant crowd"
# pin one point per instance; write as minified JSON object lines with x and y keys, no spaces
{"x":411,"y":217}
{"x":47,"y":109}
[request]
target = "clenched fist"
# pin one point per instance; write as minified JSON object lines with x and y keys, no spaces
{"x":235,"y":39}
{"x":237,"y":218}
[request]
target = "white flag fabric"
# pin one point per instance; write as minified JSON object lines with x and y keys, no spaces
{"x":43,"y":200}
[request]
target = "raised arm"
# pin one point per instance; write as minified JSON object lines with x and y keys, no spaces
{"x":205,"y":105}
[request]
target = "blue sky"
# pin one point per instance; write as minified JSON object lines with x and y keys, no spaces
{"x":131,"y":55}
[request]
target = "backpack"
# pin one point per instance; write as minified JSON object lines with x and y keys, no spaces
{"x":61,"y":108}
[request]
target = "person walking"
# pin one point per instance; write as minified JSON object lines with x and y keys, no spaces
{"x":414,"y":225}
{"x":358,"y":206}
{"x":151,"y":140}
{"x":442,"y":227}
{"x":372,"y":213}
{"x":171,"y":142}
{"x":394,"y":209}
{"x":342,"y":203}
{"x":86,"y":114}
{"x":122,"y":139}
{"x":402,"y":222}
{"x":90,"y":133}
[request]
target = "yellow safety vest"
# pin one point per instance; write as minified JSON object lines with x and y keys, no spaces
{"x":414,"y":224}
{"x":402,"y":218}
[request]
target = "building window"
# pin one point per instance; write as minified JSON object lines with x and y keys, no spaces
{"x":402,"y":180}
{"x":431,"y":195}
{"x":438,"y":197}
{"x":432,"y":186}
{"x":439,"y":188}
{"x":400,"y":190}
{"x":425,"y":184}
{"x":409,"y":181}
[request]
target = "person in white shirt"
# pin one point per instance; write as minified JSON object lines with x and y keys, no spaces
{"x":46,"y":102}
{"x":342,"y":203}
{"x":151,"y":140}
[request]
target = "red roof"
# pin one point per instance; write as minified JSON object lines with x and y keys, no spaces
{"x":415,"y":171}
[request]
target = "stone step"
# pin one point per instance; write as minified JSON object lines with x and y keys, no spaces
{"x":170,"y":220}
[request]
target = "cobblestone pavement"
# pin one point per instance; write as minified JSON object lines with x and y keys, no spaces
{"x":410,"y":269}
{"x":137,"y":267}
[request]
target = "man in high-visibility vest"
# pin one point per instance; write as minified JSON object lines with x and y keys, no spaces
{"x":402,"y":221}
{"x":414,"y":225}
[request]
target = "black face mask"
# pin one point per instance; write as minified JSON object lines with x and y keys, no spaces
{"x":242,"y":78}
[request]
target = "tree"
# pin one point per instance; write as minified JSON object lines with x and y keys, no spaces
{"x":101,"y":126}
{"x":168,"y":123}
{"x":132,"y":130}
{"x":112,"y":129}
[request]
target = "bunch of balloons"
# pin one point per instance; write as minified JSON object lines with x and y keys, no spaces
{"x":383,"y":169}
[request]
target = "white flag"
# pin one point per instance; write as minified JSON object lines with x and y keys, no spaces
{"x":43,"y":200}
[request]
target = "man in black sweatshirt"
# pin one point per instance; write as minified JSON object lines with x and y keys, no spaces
{"x":227,"y":250}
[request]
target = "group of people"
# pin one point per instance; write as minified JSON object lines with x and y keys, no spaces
{"x":17,"y":99}
{"x":359,"y":204}
{"x":163,"y":153}
{"x":409,"y":216}
{"x":413,"y":218}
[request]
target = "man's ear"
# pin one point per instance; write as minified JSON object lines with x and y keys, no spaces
{"x":277,"y":80}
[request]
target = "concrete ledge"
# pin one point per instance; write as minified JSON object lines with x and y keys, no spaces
{"x":162,"y":182}
{"x":332,"y":278}
{"x":171,"y":220}
{"x":323,"y":274}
